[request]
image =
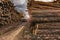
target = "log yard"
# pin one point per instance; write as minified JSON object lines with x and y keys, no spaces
{"x":29,"y":19}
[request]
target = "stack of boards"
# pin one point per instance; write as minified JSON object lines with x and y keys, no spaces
{"x":46,"y":17}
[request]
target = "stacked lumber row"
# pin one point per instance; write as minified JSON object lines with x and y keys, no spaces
{"x":45,"y":11}
{"x":7,"y":13}
{"x":46,"y":17}
{"x":48,"y":31}
{"x":44,"y":5}
{"x":47,"y":25}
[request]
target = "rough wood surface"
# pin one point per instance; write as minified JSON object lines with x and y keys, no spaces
{"x":45,"y":24}
{"x":46,"y":18}
{"x":7,"y":13}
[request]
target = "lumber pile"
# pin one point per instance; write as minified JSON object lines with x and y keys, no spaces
{"x":45,"y":11}
{"x":46,"y":20}
{"x":44,"y":5}
{"x":47,"y":31}
{"x":7,"y":13}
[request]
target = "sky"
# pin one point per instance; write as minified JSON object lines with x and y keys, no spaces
{"x":18,"y":2}
{"x":46,"y":0}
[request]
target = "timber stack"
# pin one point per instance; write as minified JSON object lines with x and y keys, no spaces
{"x":45,"y":24}
{"x":46,"y":20}
{"x":7,"y":13}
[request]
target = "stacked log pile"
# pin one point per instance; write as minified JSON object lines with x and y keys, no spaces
{"x":7,"y":13}
{"x":44,"y":5}
{"x":45,"y":11}
{"x":47,"y":31}
{"x":46,"y":17}
{"x":46,"y":21}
